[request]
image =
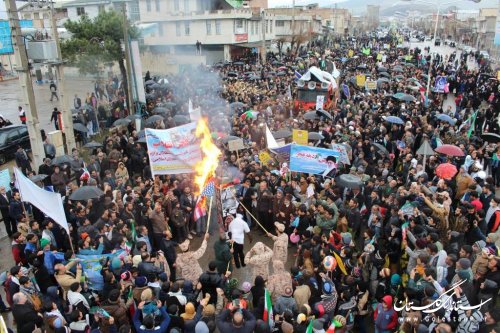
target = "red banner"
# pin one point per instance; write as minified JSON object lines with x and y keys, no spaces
{"x":241,"y":37}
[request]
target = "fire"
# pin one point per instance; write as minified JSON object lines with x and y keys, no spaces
{"x":205,"y":169}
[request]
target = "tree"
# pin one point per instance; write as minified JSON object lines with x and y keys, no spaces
{"x":96,"y":42}
{"x":280,"y":43}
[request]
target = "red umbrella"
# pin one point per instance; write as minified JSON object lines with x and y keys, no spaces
{"x":446,"y":171}
{"x":450,"y":150}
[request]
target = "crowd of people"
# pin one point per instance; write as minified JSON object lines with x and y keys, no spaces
{"x":364,"y":258}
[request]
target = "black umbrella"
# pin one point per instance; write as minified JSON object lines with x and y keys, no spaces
{"x":181,"y":119}
{"x":282,"y":134}
{"x":311,"y":115}
{"x":238,"y":63}
{"x":153,"y":119}
{"x":349,"y":181}
{"x":490,"y":137}
{"x":384,"y":74}
{"x":381,"y":149}
{"x":92,"y":145}
{"x":323,"y":113}
{"x":229,"y":138}
{"x":315,"y":136}
{"x":159,"y":110}
{"x":382,"y":69}
{"x":133,"y":117}
{"x":80,"y":127}
{"x":38,"y":178}
{"x":58,"y":160}
{"x":86,"y":193}
{"x":121,"y":122}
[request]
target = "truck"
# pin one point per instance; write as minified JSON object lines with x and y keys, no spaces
{"x":312,"y":84}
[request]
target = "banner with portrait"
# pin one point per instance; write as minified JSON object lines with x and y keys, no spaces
{"x":313,"y":160}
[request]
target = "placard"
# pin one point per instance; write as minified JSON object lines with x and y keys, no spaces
{"x":300,"y":137}
{"x":371,"y":85}
{"x":237,"y":144}
{"x":360,"y":80}
{"x":320,"y":101}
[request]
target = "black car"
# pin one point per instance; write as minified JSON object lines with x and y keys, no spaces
{"x":437,"y":42}
{"x":11,"y":137}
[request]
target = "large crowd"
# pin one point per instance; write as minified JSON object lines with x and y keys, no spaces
{"x":408,"y":250}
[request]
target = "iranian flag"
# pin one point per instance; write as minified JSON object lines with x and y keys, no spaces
{"x":310,"y":326}
{"x":268,"y":310}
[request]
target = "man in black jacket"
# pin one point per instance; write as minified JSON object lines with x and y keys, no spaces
{"x":147,"y":265}
{"x":5,"y":199}
{"x":210,"y":281}
{"x":24,"y":313}
{"x":15,"y":210}
{"x":168,"y":248}
{"x":233,"y":320}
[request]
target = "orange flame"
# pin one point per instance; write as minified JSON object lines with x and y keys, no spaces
{"x":205,"y":169}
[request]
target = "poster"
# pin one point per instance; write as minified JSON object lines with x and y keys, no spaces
{"x":384,"y":58}
{"x":300,"y":137}
{"x":342,"y":153}
{"x":234,"y":145}
{"x":360,"y":80}
{"x":5,"y":179}
{"x":371,"y":85}
{"x":346,"y":91}
{"x":320,"y":101}
{"x":439,"y":84}
{"x":229,"y":202}
{"x":92,"y":265}
{"x":265,"y":158}
{"x":350,"y":53}
{"x":312,"y":159}
{"x":173,"y":151}
{"x":379,"y":56}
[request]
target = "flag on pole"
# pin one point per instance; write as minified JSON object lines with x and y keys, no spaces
{"x":199,"y":208}
{"x":472,"y":124}
{"x":289,"y":92}
{"x":271,"y":141}
{"x":209,"y":189}
{"x":86,"y":174}
{"x":268,"y":309}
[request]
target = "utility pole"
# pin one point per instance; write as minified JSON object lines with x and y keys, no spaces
{"x":26,"y":83}
{"x":130,"y":100}
{"x":293,"y":18}
{"x":263,"y":46}
{"x":67,"y":117}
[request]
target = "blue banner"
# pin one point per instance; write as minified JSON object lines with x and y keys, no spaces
{"x":91,"y":267}
{"x":347,"y":92}
{"x":5,"y":179}
{"x":283,"y":152}
{"x":313,"y":160}
{"x":6,"y":35}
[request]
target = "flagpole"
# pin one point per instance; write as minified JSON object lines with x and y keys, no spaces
{"x":209,"y":212}
{"x":255,"y":219}
{"x":229,"y":262}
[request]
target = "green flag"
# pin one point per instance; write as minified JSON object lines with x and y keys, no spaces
{"x":366,"y":51}
{"x":310,"y":326}
{"x":472,"y":124}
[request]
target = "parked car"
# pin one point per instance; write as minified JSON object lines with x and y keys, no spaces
{"x":484,"y":54}
{"x":11,"y":137}
{"x":437,"y":42}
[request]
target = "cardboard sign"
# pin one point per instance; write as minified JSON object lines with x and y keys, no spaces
{"x":234,"y":145}
{"x":320,"y":101}
{"x":360,"y":80}
{"x":379,"y":56}
{"x":371,"y":85}
{"x":265,"y":158}
{"x":300,"y":137}
{"x":350,"y":53}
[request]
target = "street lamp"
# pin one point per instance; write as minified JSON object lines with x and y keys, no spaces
{"x":439,"y":4}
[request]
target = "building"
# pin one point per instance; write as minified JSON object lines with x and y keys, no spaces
{"x":486,"y":29}
{"x":225,"y":29}
{"x":372,"y":16}
{"x":39,"y":14}
{"x":74,"y":9}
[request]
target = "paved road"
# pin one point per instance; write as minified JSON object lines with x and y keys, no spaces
{"x":11,"y":97}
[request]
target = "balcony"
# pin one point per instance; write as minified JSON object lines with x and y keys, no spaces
{"x":148,"y":17}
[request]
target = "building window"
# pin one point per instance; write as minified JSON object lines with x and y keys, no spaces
{"x":80,"y":11}
{"x":209,"y":27}
{"x":218,"y":29}
{"x":280,"y":23}
{"x":252,"y":27}
{"x":239,"y":24}
{"x":101,"y":9}
{"x":177,"y":29}
{"x":271,"y":26}
{"x":176,"y":5}
{"x":328,"y":23}
{"x":157,"y":5}
{"x":186,"y":6}
{"x":160,"y":29}
{"x":187,"y":28}
{"x":46,"y":16}
{"x":148,"y":5}
{"x":36,"y":16}
{"x":257,"y":24}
